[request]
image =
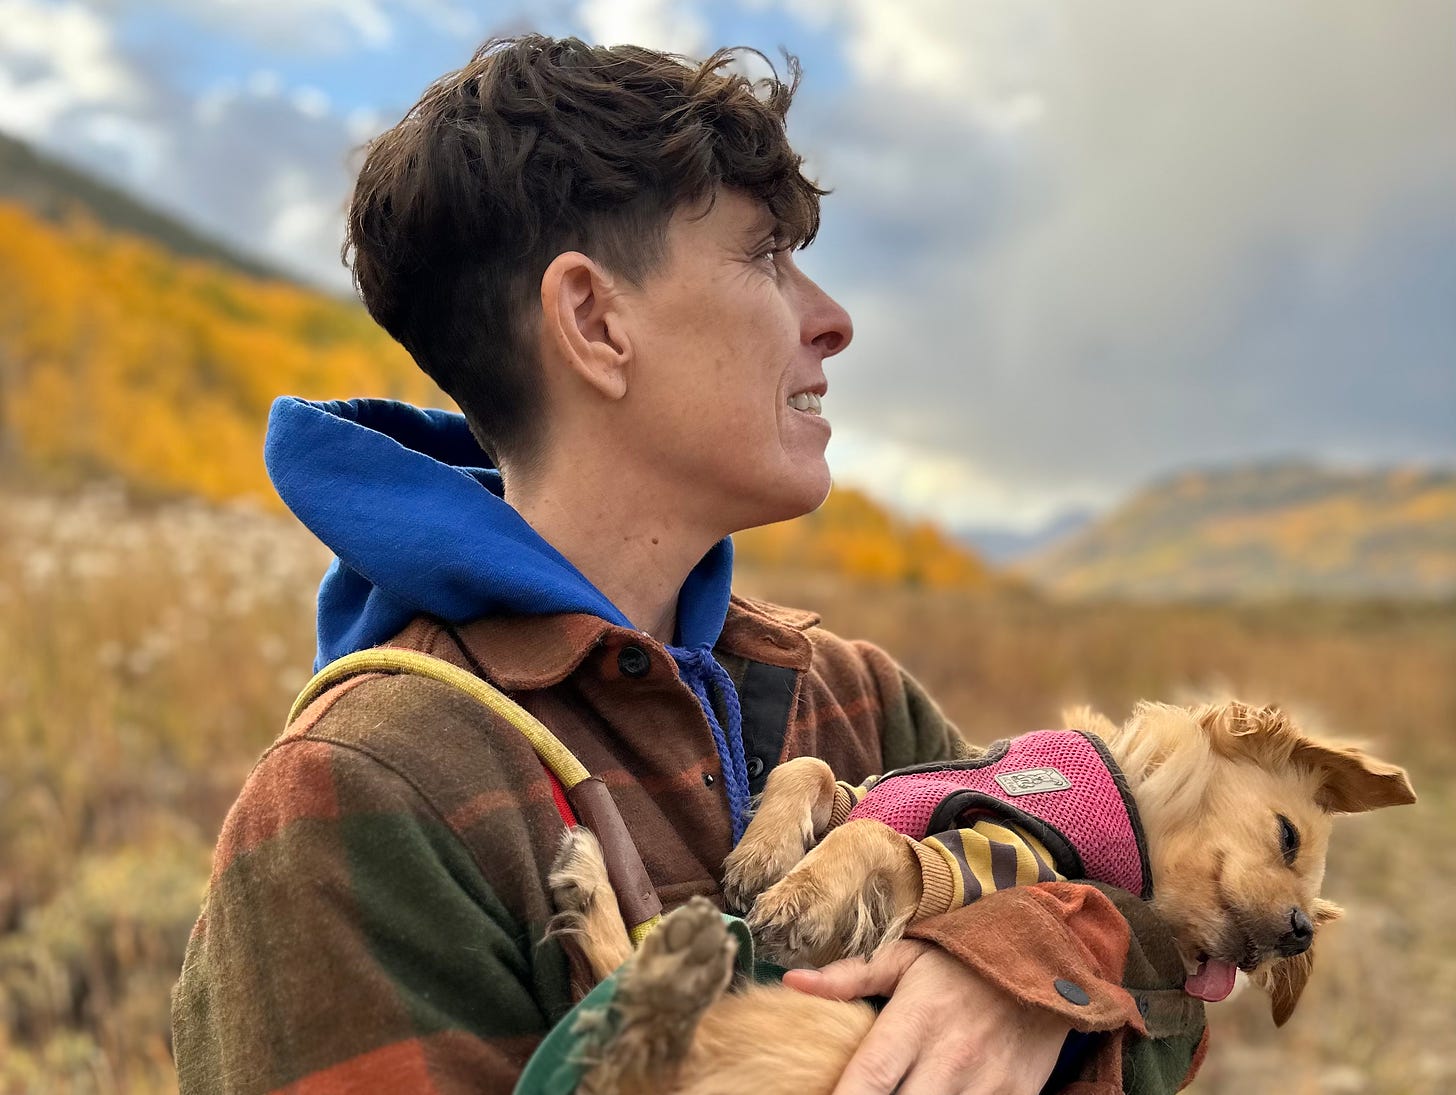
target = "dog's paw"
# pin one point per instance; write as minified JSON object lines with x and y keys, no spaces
{"x":759,"y":861}
{"x":682,"y":966}
{"x":851,"y":895}
{"x":578,"y":876}
{"x":798,"y":923}
{"x":794,"y":808}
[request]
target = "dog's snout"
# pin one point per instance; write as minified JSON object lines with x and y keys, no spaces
{"x":1299,"y":936}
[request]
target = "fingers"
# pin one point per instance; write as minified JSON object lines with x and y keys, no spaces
{"x":884,"y":1057}
{"x":945,"y":1079}
{"x":853,"y":978}
{"x":945,"y":1031}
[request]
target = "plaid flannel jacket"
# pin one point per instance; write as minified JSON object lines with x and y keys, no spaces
{"x":375,"y":915}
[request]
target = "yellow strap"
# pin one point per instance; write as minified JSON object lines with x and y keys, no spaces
{"x":553,"y":754}
{"x":639,"y":932}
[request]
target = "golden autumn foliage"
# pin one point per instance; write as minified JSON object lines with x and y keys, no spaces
{"x":118,"y":359}
{"x":853,"y":536}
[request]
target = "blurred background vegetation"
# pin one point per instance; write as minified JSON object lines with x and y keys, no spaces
{"x":157,"y":613}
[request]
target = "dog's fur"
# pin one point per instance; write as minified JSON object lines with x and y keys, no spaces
{"x":1210,"y":782}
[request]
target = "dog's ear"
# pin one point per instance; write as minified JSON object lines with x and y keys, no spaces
{"x":1285,"y":979}
{"x":1352,"y":781}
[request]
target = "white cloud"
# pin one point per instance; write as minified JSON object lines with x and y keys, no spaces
{"x":265,"y":167}
{"x":261,"y":165}
{"x":985,"y":57}
{"x":320,"y":27}
{"x":299,"y":214}
{"x":945,"y":486}
{"x":677,"y":26}
{"x":290,"y":26}
{"x":264,"y":83}
{"x":310,"y":102}
{"x":55,"y":59}
{"x":362,"y":124}
{"x":1121,"y":237}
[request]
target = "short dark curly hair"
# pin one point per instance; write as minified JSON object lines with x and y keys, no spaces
{"x":539,"y":146}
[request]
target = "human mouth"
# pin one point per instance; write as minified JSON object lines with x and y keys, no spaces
{"x":807,"y":402}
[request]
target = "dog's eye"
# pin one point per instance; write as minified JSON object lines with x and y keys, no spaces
{"x":1288,"y":839}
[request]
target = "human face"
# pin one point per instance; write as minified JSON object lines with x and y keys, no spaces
{"x":727,"y":335}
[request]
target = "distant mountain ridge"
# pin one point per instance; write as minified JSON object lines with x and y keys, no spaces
{"x":1002,"y":547}
{"x":54,"y":189}
{"x":1267,"y":530}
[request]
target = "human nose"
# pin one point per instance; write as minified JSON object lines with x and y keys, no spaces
{"x":826,"y":324}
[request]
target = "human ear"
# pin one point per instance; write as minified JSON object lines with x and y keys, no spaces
{"x":584,"y":324}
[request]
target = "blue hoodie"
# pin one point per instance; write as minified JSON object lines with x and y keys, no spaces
{"x":416,"y":518}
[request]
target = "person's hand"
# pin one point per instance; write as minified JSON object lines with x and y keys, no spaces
{"x":945,"y":1031}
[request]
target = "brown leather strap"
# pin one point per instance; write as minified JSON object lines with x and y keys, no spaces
{"x":594,"y":807}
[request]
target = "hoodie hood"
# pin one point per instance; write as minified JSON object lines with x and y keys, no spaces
{"x":415,"y":515}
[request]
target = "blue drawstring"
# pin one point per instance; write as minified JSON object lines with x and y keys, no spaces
{"x":697,"y":666}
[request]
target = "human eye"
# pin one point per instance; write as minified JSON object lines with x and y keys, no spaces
{"x":769,"y":253}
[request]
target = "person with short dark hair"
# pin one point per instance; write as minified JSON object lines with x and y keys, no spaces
{"x":592,"y":251}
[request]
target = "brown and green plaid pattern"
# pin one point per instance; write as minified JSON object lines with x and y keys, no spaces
{"x":376,"y":911}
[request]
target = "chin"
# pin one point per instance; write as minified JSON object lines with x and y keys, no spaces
{"x":806,"y":493}
{"x":787,"y":498}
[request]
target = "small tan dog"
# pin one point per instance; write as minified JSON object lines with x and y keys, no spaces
{"x":1236,"y":805}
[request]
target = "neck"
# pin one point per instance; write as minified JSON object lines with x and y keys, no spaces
{"x":617,"y":531}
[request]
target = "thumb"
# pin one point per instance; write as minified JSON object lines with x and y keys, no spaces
{"x":852,"y":978}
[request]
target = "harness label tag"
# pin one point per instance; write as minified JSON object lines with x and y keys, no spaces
{"x":1031,"y":781}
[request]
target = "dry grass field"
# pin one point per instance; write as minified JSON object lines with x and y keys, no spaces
{"x":151,"y":654}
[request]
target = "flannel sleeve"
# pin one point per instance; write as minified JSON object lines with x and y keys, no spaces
{"x":349,"y":943}
{"x":1106,"y":948}
{"x":913,"y":729}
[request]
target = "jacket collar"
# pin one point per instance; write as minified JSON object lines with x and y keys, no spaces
{"x":525,"y":653}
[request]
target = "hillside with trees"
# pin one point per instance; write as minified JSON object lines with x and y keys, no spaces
{"x":1267,"y":530}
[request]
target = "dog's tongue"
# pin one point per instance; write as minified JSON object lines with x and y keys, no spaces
{"x":1213,"y":981}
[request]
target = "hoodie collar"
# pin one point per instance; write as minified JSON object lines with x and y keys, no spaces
{"x":415,"y":515}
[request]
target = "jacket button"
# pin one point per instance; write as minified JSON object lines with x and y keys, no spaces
{"x":633,"y":661}
{"x":1072,"y":992}
{"x":755,"y":767}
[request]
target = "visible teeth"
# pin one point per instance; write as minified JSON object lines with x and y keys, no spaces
{"x":806,"y":401}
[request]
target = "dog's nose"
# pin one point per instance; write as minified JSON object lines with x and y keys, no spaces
{"x":1299,"y":936}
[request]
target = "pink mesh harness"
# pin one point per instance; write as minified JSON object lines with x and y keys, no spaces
{"x":1061,"y":785}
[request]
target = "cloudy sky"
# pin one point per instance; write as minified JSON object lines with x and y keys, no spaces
{"x":1085,"y":244}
